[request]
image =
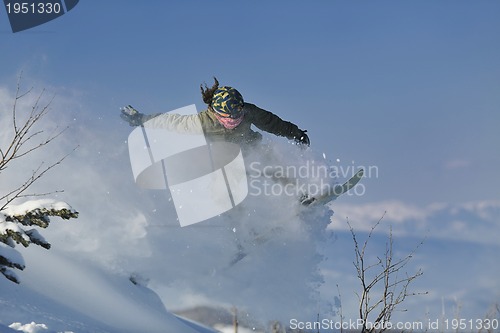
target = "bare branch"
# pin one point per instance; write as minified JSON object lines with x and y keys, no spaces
{"x":25,"y":140}
{"x":341,"y":311}
{"x":386,"y":279}
{"x":38,"y":173}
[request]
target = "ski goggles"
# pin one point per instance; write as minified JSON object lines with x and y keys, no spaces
{"x":230,"y":111}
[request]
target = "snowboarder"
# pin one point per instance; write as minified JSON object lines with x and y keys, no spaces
{"x":227,"y":118}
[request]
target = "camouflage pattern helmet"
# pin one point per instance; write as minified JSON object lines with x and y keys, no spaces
{"x":227,"y":102}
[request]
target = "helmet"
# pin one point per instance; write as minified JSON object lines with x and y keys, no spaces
{"x":227,"y":102}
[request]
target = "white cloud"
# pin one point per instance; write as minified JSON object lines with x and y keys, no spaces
{"x":457,"y":164}
{"x":470,"y":221}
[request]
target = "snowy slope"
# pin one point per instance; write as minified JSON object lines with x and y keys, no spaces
{"x":72,"y":295}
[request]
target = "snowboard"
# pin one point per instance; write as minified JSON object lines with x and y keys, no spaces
{"x":334,"y":192}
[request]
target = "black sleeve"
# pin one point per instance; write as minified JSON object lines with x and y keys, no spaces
{"x":269,"y":122}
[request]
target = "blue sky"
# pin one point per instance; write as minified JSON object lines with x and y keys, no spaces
{"x":409,"y":87}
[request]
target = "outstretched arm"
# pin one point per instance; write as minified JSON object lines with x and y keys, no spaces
{"x":169,"y":121}
{"x":269,"y":122}
{"x":134,"y":117}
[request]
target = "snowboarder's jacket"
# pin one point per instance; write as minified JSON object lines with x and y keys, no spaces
{"x":213,"y":129}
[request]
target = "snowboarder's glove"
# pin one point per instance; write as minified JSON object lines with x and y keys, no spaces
{"x":302,"y":138}
{"x":132,"y":116}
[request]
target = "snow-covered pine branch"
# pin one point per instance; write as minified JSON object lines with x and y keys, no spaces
{"x":37,"y":212}
{"x":13,"y":222}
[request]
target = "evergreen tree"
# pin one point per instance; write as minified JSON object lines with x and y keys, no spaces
{"x":15,"y":223}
